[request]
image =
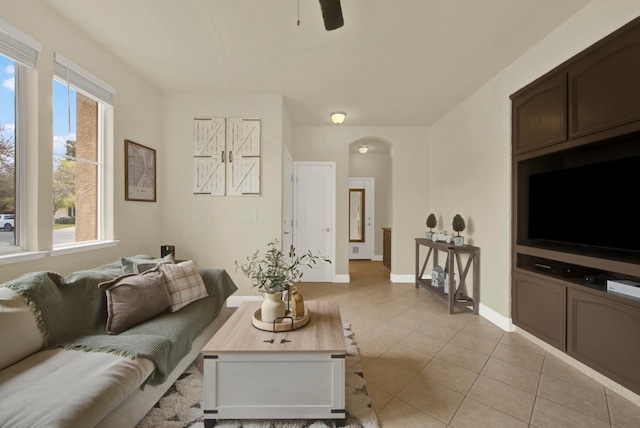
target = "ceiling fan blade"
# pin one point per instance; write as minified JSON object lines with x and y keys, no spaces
{"x":331,"y":14}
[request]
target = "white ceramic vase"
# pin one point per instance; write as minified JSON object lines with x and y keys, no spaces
{"x":273,"y":307}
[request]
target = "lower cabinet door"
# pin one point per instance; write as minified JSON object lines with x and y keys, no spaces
{"x":605,"y":335}
{"x":270,"y":385}
{"x":539,"y":307}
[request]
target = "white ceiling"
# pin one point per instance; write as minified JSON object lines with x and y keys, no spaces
{"x":394,"y":63}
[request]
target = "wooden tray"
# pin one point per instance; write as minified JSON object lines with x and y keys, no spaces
{"x":287,"y":323}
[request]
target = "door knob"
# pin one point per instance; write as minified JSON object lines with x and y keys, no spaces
{"x":326,"y":229}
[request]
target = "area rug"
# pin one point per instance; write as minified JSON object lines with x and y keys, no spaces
{"x":181,"y":406}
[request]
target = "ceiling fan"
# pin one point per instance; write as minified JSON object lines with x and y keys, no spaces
{"x":331,"y":14}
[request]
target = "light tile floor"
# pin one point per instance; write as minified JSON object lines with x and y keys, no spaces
{"x":426,"y":368}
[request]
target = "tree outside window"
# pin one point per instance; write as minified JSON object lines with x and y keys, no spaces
{"x":64,"y":180}
{"x":8,"y":183}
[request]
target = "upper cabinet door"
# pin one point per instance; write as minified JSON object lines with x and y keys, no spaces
{"x":540,"y":115}
{"x":243,"y":167}
{"x":604,"y":86}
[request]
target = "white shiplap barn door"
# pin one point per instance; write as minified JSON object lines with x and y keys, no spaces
{"x":226,"y":156}
{"x":243,"y":145}
{"x":209,"y":156}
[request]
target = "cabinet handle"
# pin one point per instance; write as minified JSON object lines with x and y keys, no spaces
{"x":230,"y":156}
{"x":222,"y":155}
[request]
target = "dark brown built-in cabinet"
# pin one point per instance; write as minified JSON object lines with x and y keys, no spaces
{"x":540,"y":115}
{"x":604,"y":91}
{"x":386,"y":247}
{"x":584,"y":111}
{"x":539,"y":306}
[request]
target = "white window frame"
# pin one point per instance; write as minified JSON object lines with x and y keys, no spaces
{"x":23,"y":50}
{"x":21,"y":154}
{"x":20,"y":162}
{"x":68,"y":73}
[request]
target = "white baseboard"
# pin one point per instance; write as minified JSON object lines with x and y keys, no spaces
{"x":235,"y":301}
{"x":496,"y":318}
{"x":376,"y":258}
{"x":598,"y":377}
{"x":402,"y":278}
{"x":485,"y":312}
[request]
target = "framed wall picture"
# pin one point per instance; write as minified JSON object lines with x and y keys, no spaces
{"x":139,"y":172}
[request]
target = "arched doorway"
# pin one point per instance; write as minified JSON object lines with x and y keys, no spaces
{"x":372,"y":172}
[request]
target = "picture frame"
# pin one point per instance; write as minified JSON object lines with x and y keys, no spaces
{"x":139,"y":172}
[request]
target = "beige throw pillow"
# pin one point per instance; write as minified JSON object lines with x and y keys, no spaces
{"x":129,"y":262}
{"x":132,"y":299}
{"x":140,"y":266}
{"x":184,"y":283}
{"x":19,"y":332}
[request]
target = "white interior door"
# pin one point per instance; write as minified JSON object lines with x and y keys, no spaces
{"x":364,"y":250}
{"x":314,"y":191}
{"x":287,"y":200}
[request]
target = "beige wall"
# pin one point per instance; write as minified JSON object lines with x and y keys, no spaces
{"x":209,"y":229}
{"x":409,"y":180}
{"x":287,"y":129}
{"x":137,"y":115}
{"x":459,"y":165}
{"x":470,"y":154}
{"x":376,"y":166}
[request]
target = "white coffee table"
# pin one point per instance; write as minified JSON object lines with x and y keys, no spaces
{"x":255,"y":374}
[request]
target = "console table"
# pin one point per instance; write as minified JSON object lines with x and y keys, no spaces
{"x":449,"y":292}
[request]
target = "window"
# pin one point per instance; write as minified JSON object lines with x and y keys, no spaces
{"x":81,"y":103}
{"x":7,"y":152}
{"x":17,"y":53}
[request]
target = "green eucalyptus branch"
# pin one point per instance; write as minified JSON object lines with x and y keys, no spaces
{"x":277,"y":271}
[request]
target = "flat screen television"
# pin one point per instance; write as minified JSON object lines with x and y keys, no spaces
{"x":588,"y":207}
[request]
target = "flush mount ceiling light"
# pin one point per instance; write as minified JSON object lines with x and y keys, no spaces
{"x":363,"y":149}
{"x":338,"y":117}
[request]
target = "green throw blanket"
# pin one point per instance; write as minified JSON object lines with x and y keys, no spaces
{"x":71,"y":312}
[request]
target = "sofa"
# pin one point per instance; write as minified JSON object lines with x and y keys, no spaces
{"x":98,"y":348}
